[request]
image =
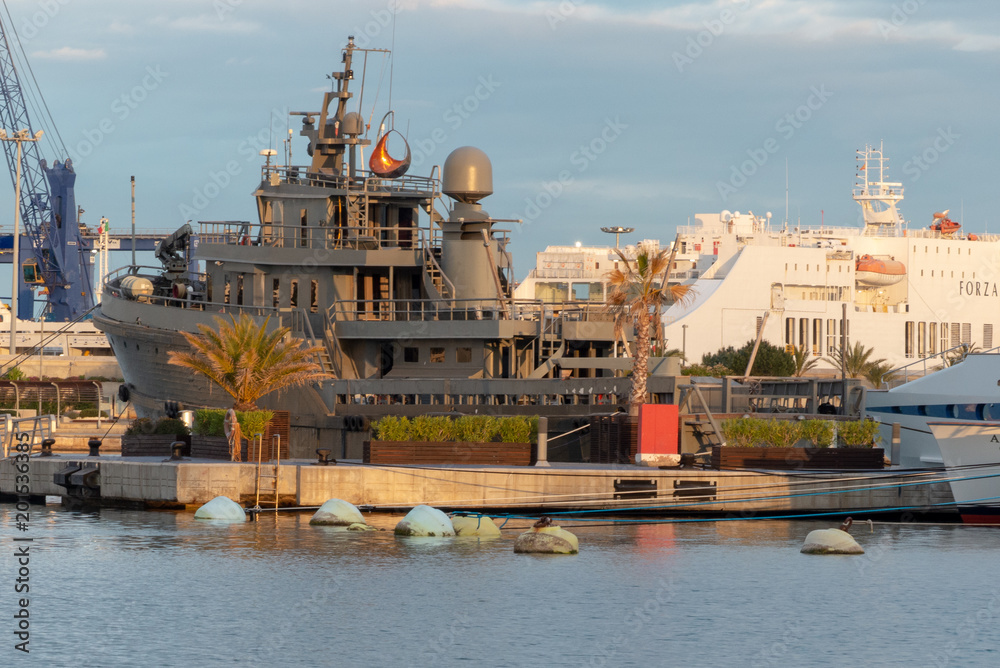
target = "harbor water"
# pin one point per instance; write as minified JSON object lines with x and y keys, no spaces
{"x":143,"y":588}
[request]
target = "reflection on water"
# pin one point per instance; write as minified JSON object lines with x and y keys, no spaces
{"x":126,"y":588}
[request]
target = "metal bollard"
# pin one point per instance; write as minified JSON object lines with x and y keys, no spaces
{"x":177,"y":447}
{"x":95,"y":445}
{"x":47,"y":447}
{"x":324,"y":458}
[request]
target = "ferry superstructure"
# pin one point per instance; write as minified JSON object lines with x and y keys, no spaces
{"x":908,"y":293}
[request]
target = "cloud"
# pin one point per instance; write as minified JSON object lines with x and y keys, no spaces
{"x":206,"y":23}
{"x":121,"y":28}
{"x":68,"y":53}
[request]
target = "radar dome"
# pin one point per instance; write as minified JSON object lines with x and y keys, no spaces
{"x":467,"y":175}
{"x":352,"y":123}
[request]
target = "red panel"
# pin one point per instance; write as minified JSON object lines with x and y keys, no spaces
{"x":658,"y":429}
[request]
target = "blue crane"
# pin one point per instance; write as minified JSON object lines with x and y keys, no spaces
{"x":47,"y":206}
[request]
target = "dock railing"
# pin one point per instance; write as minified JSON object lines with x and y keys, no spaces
{"x":38,"y":428}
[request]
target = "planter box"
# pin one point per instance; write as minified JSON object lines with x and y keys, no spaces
{"x":436,"y":452}
{"x":788,"y":459}
{"x":213,"y":447}
{"x":153,"y":445}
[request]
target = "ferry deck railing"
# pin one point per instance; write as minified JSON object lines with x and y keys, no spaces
{"x":893,"y":374}
{"x":419,"y":310}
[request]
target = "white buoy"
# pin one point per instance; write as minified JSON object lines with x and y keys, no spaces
{"x":546,"y":538}
{"x":425,"y":521}
{"x":338,"y":513}
{"x":221,"y":508}
{"x":832,"y":541}
{"x":481,"y":526}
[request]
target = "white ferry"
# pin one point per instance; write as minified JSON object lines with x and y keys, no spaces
{"x":908,"y":293}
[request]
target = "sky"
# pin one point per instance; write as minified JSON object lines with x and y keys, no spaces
{"x":594,"y":113}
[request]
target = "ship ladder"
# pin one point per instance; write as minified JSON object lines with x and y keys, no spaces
{"x":266,"y":482}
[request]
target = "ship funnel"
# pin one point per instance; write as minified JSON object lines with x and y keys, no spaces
{"x":467,"y":175}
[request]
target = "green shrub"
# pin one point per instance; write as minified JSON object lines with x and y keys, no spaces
{"x":170,"y":427}
{"x":210,"y":422}
{"x":431,"y":428}
{"x":91,"y":413}
{"x":14,"y":373}
{"x":781,"y":433}
{"x":859,"y":434}
{"x":253,"y":422}
{"x":770,"y":360}
{"x":518,"y":429}
{"x":139,"y":426}
{"x":742,"y":432}
{"x":392,"y":428}
{"x":477,"y":428}
{"x":717,"y":370}
{"x":819,"y":432}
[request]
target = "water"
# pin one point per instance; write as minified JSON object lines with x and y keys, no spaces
{"x":134,"y":588}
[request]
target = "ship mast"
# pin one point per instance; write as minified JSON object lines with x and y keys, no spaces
{"x":877,"y":197}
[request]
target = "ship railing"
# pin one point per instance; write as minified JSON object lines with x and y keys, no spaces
{"x":419,"y":310}
{"x":313,"y":237}
{"x":361,"y":182}
{"x":945,"y":357}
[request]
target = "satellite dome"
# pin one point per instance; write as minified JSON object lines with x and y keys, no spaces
{"x":467,"y":175}
{"x":353,"y":123}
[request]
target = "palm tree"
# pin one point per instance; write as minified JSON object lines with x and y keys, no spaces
{"x":878,"y":373}
{"x":803,"y":363}
{"x":956,"y":356}
{"x":857,"y":361}
{"x":638,"y":290}
{"x":246,"y":361}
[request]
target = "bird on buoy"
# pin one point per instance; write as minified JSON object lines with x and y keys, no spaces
{"x":832,"y":541}
{"x":542,"y":523}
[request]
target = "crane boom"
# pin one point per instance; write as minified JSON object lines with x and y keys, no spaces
{"x":47,"y":206}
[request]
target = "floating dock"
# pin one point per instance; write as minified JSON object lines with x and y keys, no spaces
{"x":155,"y":483}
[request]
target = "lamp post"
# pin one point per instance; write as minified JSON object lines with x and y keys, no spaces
{"x":19,"y":137}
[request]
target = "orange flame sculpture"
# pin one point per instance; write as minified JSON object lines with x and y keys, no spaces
{"x":383,"y":164}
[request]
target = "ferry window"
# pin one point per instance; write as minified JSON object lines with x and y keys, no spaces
{"x":314,"y":296}
{"x":275,"y":292}
{"x":588,"y":292}
{"x":239,"y":290}
{"x":789,"y":331}
{"x":967,"y":332}
{"x":908,"y":339}
{"x":411,"y":355}
{"x":932,"y":336}
{"x":803,"y":332}
{"x":831,"y":335}
{"x":293,"y":300}
{"x":226,"y":291}
{"x":303,"y":235}
{"x":552,"y":292}
{"x":817,"y":338}
{"x":437,"y":355}
{"x":987,"y":336}
{"x":944,"y":336}
{"x":921,"y":272}
{"x":922,"y":339}
{"x":463,"y":355}
{"x":991,"y":412}
{"x":956,"y":331}
{"x":932,"y":273}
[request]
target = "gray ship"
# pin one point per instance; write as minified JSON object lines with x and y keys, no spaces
{"x":413,"y":308}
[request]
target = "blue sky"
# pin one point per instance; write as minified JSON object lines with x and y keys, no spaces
{"x":593,"y":113}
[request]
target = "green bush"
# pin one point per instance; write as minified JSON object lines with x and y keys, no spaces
{"x":170,"y":427}
{"x":210,"y":422}
{"x":770,"y":360}
{"x":14,"y":373}
{"x":253,"y":422}
{"x":717,"y":371}
{"x":859,"y":434}
{"x":477,"y":428}
{"x":469,"y":428}
{"x":742,"y":432}
{"x":392,"y":428}
{"x":781,"y":433}
{"x":91,"y":413}
{"x":819,"y":432}
{"x":139,"y":426}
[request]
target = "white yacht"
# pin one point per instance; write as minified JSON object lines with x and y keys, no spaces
{"x":971,"y":452}
{"x":907,"y":292}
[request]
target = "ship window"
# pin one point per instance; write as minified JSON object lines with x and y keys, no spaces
{"x":239,"y":290}
{"x":803,"y":332}
{"x":293,"y":299}
{"x":922,"y":339}
{"x":908,"y":339}
{"x":956,"y":331}
{"x":987,"y":336}
{"x":937,"y":249}
{"x":991,"y":412}
{"x":944,"y":336}
{"x":411,"y":354}
{"x":463,"y":355}
{"x":949,"y":250}
{"x":953,"y":274}
{"x":314,"y":296}
{"x":932,"y":337}
{"x":303,"y":235}
{"x":967,"y":332}
{"x":437,"y":355}
{"x":226,"y":291}
{"x":932,"y":273}
{"x":831,"y":335}
{"x":921,"y":272}
{"x":817,"y":339}
{"x":275,"y":292}
{"x":789,"y":331}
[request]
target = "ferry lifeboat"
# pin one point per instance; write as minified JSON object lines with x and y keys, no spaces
{"x":875,"y":272}
{"x":943,"y":224}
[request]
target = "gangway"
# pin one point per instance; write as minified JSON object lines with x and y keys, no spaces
{"x":38,"y":428}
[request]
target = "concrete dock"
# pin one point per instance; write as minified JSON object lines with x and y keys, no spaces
{"x":155,"y":483}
